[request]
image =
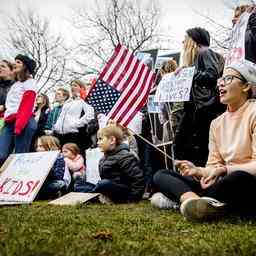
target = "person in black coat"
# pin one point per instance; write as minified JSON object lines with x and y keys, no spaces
{"x":192,"y":134}
{"x":6,"y":81}
{"x":41,"y":112}
{"x":121,"y":177}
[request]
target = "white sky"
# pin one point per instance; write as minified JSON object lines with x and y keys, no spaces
{"x":177,"y":15}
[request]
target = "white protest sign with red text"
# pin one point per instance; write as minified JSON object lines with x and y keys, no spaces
{"x":24,"y":174}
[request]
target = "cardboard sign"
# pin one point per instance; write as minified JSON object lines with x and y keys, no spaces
{"x":237,"y":51}
{"x":22,"y":176}
{"x":153,"y":107}
{"x":74,"y":198}
{"x":135,"y":124}
{"x":160,"y":61}
{"x":93,"y":157}
{"x":148,"y":57}
{"x":175,"y":87}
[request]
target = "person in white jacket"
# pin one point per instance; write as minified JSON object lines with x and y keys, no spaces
{"x":74,"y":117}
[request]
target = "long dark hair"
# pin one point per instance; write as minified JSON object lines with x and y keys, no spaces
{"x":46,"y":102}
{"x":23,"y":75}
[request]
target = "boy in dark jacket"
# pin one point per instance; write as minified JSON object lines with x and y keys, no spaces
{"x":121,"y":177}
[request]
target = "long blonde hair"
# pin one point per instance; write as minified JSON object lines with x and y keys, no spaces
{"x":49,"y":142}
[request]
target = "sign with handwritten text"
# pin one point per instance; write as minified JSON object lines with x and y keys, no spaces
{"x":175,"y":87}
{"x":153,"y":107}
{"x":237,"y":44}
{"x":23,"y":175}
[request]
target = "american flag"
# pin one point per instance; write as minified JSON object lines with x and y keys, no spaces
{"x":123,"y":86}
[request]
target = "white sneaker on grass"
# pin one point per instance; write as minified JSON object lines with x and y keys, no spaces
{"x":203,"y":208}
{"x":104,"y":199}
{"x":159,"y":200}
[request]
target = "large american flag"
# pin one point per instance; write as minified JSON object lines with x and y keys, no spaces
{"x":123,"y":86}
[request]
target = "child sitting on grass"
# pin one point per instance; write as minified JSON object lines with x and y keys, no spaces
{"x":59,"y":177}
{"x":128,"y":138}
{"x":74,"y":160}
{"x":121,"y":177}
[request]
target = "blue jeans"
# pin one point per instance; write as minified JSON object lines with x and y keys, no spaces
{"x":51,"y":189}
{"x":20,"y":143}
{"x":116,"y":192}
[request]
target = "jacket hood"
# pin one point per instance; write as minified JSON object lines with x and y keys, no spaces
{"x":119,"y":148}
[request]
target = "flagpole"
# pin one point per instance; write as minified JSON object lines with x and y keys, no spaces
{"x":154,"y":146}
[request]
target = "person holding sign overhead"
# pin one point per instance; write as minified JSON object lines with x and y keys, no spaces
{"x":191,"y":138}
{"x":250,"y":33}
{"x":20,"y":124}
{"x":228,"y":182}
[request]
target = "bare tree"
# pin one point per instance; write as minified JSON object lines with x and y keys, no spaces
{"x":29,"y":33}
{"x":221,"y":35}
{"x":114,"y":22}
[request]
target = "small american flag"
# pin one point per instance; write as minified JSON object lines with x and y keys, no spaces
{"x":123,"y":86}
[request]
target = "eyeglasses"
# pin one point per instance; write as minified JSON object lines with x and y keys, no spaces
{"x":228,"y":79}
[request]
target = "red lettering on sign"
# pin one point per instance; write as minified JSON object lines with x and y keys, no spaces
{"x":35,"y":185}
{"x":18,"y":188}
{"x":4,"y":183}
{"x":9,"y":188}
{"x":30,"y":187}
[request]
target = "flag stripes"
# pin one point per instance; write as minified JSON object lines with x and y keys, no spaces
{"x":132,"y":78}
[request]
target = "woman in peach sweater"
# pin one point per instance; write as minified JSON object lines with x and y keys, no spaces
{"x":228,"y":182}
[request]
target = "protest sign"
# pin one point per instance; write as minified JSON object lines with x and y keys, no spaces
{"x":153,"y":107}
{"x":74,"y":198}
{"x":160,"y":61}
{"x":175,"y":87}
{"x":135,"y":124}
{"x":148,"y":57}
{"x":23,"y":175}
{"x":93,"y":157}
{"x":237,"y":44}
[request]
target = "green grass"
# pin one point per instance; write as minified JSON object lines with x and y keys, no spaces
{"x":133,"y":229}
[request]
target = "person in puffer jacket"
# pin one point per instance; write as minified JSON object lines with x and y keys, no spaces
{"x":122,"y":179}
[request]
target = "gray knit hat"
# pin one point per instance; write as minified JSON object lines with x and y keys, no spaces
{"x":247,"y":69}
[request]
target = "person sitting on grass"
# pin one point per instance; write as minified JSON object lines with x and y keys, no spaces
{"x":59,"y":177}
{"x":74,"y":160}
{"x":121,"y":177}
{"x":227,"y":184}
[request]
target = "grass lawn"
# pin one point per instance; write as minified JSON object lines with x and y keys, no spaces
{"x":134,"y":229}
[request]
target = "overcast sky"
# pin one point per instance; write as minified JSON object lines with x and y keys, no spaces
{"x":177,"y":15}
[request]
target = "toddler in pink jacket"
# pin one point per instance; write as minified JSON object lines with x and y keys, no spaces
{"x":74,"y":160}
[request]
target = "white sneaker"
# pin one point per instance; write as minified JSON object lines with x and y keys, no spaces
{"x":159,"y":200}
{"x":202,"y":208}
{"x":104,"y":199}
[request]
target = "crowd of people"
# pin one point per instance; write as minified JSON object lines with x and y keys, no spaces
{"x":214,"y":134}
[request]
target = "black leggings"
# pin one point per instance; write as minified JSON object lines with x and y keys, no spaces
{"x":237,"y":190}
